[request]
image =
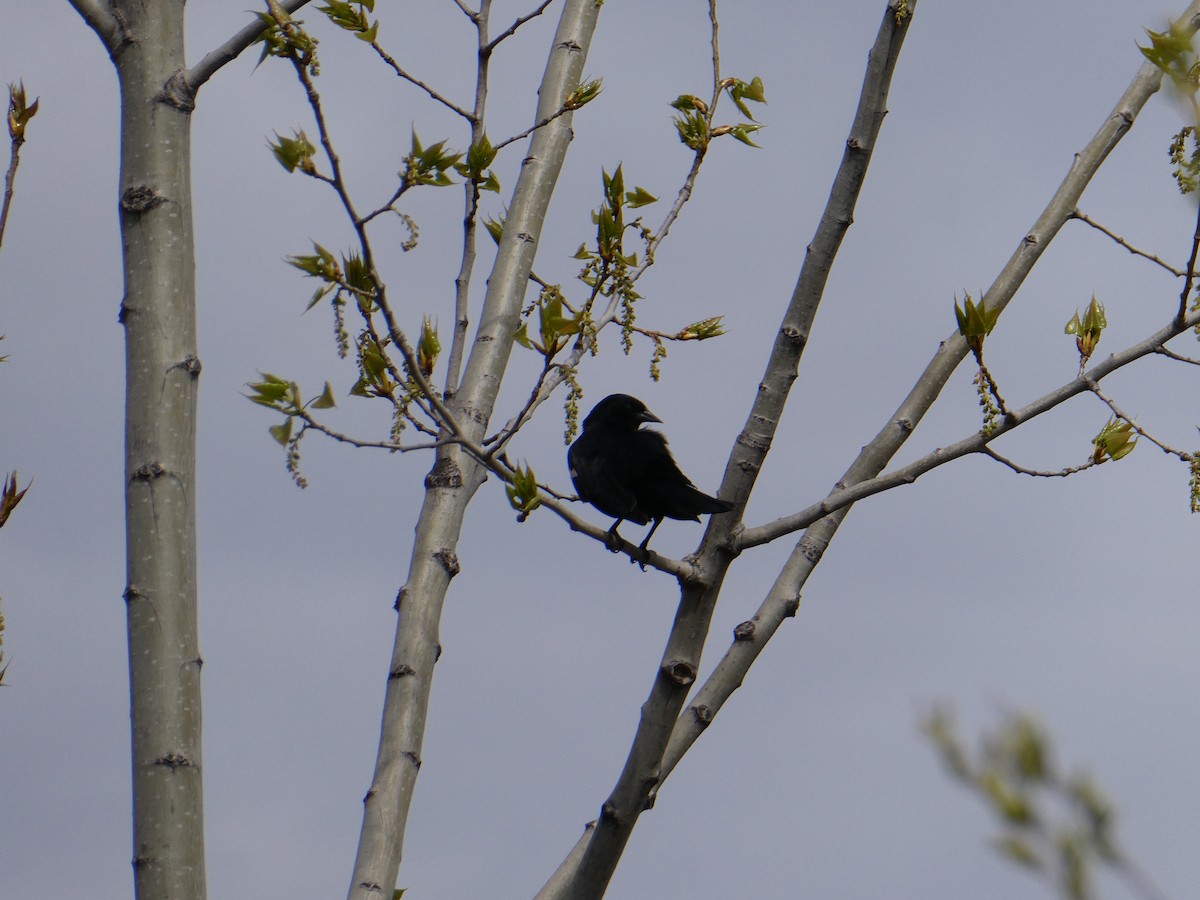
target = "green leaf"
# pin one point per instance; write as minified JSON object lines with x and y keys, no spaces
{"x":741,"y":91}
{"x":294,"y":152}
{"x":639,"y":197}
{"x":522,"y":337}
{"x":282,"y":432}
{"x":9,"y":500}
{"x":495,"y":227}
{"x":428,"y":347}
{"x":326,"y":400}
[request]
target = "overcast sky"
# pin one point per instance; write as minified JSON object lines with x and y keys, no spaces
{"x":1074,"y":599}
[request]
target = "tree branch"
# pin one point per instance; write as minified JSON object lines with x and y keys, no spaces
{"x":100,"y":15}
{"x":191,"y":81}
{"x":1078,"y":214}
{"x":783,"y":599}
{"x":677,"y":672}
{"x":512,"y":29}
{"x":455,"y":476}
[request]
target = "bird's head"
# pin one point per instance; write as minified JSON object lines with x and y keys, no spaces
{"x":619,"y":411}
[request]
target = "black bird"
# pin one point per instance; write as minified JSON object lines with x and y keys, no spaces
{"x":628,"y":473}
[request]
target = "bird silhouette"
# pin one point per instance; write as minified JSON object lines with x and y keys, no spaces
{"x":628,"y":473}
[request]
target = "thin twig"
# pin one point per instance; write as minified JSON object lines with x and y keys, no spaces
{"x":512,"y":29}
{"x":1082,"y":217}
{"x":416,"y":82}
{"x":1021,"y":470}
{"x":1191,"y":271}
{"x":532,"y":128}
{"x":10,"y":180}
{"x":444,"y":415}
{"x":390,"y":446}
{"x":1094,"y":387}
{"x":1178,"y":357}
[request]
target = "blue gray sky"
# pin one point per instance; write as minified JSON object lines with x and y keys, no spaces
{"x":1074,"y":599}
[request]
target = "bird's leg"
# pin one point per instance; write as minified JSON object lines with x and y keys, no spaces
{"x":642,"y":551}
{"x":614,"y":541}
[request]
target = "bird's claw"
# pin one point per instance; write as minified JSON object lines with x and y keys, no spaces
{"x":641,"y":556}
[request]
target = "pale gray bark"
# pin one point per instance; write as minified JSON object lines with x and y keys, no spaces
{"x":162,"y":372}
{"x":455,"y":476}
{"x":145,"y":40}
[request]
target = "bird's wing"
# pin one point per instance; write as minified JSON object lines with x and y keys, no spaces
{"x":661,"y":487}
{"x":598,"y":471}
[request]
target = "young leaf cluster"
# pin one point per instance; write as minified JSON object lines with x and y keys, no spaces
{"x":353,"y":17}
{"x":1116,"y":440}
{"x":607,"y":266}
{"x":476,"y":168}
{"x":694,"y":120}
{"x":1171,"y":51}
{"x":294,"y":153}
{"x":975,"y":323}
{"x":428,"y":165}
{"x":1087,"y":329}
{"x":557,"y":325}
{"x":283,"y":36}
{"x":20,"y":111}
{"x":283,"y":396}
{"x":522,"y":492}
{"x":10,"y":497}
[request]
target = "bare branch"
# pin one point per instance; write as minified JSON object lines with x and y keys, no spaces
{"x":512,"y":29}
{"x":532,"y":128}
{"x":1077,"y":214}
{"x":1036,"y":473}
{"x":1163,"y":351}
{"x":416,"y":82}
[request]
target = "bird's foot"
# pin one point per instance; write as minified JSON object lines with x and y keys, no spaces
{"x":641,"y":556}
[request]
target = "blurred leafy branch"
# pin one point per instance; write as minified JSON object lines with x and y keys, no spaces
{"x":1060,"y":828}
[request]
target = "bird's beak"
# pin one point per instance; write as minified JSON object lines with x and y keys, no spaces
{"x":647,"y":416}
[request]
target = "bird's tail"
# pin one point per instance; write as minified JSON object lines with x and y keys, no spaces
{"x":688,"y":502}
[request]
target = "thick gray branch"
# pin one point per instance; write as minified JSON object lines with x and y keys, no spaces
{"x":456,"y":476}
{"x":100,"y":16}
